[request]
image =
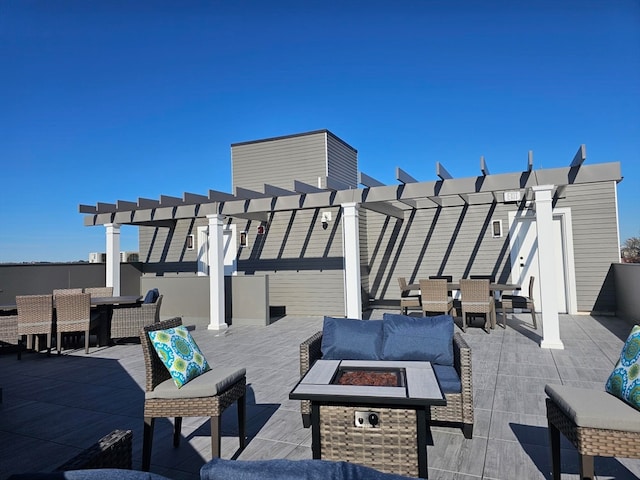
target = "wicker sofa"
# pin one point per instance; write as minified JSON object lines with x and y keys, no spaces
{"x":459,"y":408}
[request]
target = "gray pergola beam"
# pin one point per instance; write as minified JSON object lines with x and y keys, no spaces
{"x":216,"y":196}
{"x":274,"y":191}
{"x":89,"y":209}
{"x":404,"y":177}
{"x":169,"y":201}
{"x":483,"y":166}
{"x":194,"y":198}
{"x":106,"y":207}
{"x":301,"y":187}
{"x":246,"y":194}
{"x":442,"y":172}
{"x":367,"y":181}
{"x":385,"y":209}
{"x":579,"y":157}
{"x":420,"y":194}
{"x":147,"y":203}
{"x":125,"y":205}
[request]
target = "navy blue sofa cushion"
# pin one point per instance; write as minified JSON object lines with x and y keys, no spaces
{"x":350,"y":339}
{"x":418,"y":338}
{"x":448,"y":378}
{"x":151,"y":296}
{"x":280,"y":469}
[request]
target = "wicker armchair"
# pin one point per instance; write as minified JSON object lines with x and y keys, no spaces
{"x":111,"y":451}
{"x":459,"y":407}
{"x":205,"y":396}
{"x":35,"y":317}
{"x":73,"y":314}
{"x":595,"y":422}
{"x":126,"y":320}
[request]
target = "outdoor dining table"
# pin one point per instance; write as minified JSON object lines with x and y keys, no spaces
{"x":494,"y":287}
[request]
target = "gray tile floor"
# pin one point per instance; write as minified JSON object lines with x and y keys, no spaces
{"x":56,"y":406}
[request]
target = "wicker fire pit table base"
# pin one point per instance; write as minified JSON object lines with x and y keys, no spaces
{"x":384,"y":427}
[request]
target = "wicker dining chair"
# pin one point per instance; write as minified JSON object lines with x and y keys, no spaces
{"x":57,"y":292}
{"x":208,"y":395}
{"x":434,"y":296}
{"x":99,"y":291}
{"x":476,"y":299}
{"x":9,"y":332}
{"x":35,"y":317}
{"x":509,"y":302}
{"x":407,"y":301}
{"x":73,"y":314}
{"x":127,"y":320}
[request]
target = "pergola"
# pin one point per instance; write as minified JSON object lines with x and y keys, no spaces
{"x":540,"y":187}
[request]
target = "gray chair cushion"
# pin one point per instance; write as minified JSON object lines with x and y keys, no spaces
{"x":594,"y":408}
{"x":208,"y":384}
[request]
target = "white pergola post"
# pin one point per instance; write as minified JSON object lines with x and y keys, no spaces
{"x":543,"y":196}
{"x":216,"y":273}
{"x":113,"y":257}
{"x":351,"y":251}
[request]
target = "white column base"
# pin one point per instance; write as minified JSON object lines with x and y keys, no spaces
{"x":554,"y":344}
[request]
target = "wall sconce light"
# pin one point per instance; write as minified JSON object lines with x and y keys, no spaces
{"x":326,"y":218}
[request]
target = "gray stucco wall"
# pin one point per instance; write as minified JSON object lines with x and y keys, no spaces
{"x":41,"y":279}
{"x":627,"y":283}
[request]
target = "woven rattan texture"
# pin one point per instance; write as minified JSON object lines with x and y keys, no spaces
{"x":195,"y":407}
{"x":459,"y":407}
{"x":594,"y":441}
{"x":9,"y":330}
{"x":391,"y":447}
{"x":99,"y":291}
{"x":65,"y":291}
{"x":73,"y":312}
{"x":156,"y":371}
{"x":35,"y":314}
{"x":126,"y":321}
{"x":476,"y":298}
{"x":111,"y":451}
{"x":434,"y":296}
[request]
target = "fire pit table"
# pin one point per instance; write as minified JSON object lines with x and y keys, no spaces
{"x":374,"y":413}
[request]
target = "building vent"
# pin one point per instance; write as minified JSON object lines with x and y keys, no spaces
{"x":97,"y":257}
{"x":128,"y":257}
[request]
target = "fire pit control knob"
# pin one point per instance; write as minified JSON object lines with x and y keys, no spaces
{"x":373,"y":419}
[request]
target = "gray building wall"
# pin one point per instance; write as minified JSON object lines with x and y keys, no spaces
{"x":595,"y":243}
{"x":453,"y":241}
{"x":304,"y":262}
{"x":304,"y":157}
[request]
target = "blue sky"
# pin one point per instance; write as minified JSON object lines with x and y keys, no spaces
{"x":115,"y":100}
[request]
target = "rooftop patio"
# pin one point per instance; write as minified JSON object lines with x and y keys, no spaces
{"x":53,"y":407}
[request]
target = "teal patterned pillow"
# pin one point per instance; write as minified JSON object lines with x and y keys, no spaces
{"x":624,"y":381}
{"x":179,"y":353}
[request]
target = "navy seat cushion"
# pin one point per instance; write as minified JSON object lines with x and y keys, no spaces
{"x":281,"y":469}
{"x":448,"y":378}
{"x":151,"y":296}
{"x":351,"y":339}
{"x":427,"y":339}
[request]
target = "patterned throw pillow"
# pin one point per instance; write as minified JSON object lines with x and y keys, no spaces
{"x":179,"y":353}
{"x":624,"y":381}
